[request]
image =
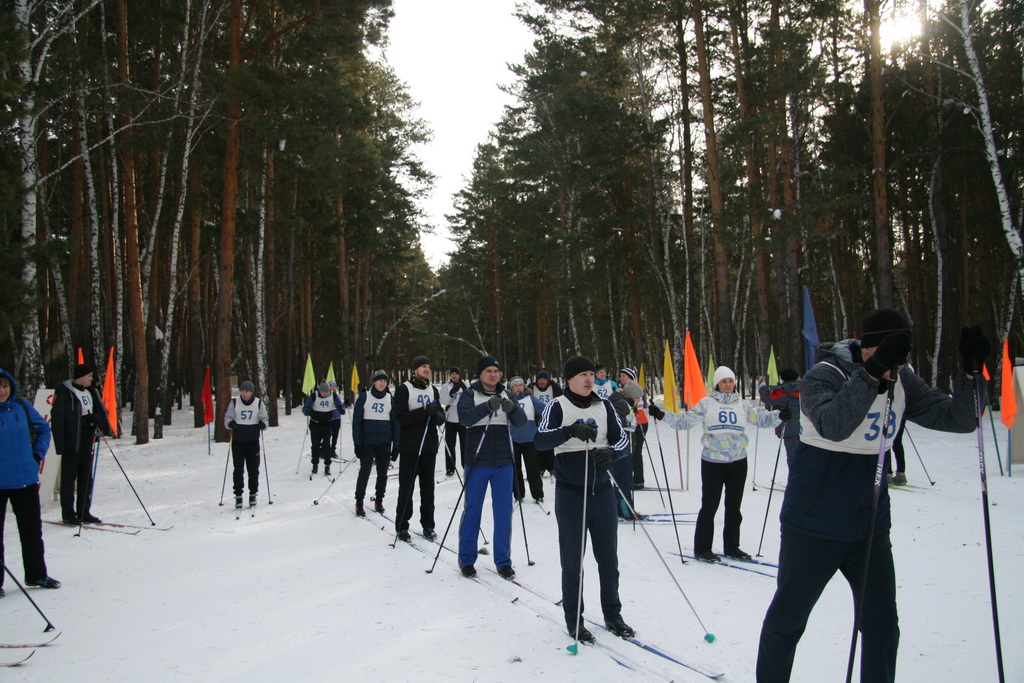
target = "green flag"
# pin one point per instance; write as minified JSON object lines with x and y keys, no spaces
{"x":309,"y":379}
{"x":711,"y":372}
{"x":773,"y":371}
{"x":330,"y":373}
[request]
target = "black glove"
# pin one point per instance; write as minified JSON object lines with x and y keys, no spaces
{"x":493,"y":403}
{"x":232,"y":425}
{"x":359,"y":450}
{"x":603,"y":457}
{"x":435,"y":409}
{"x":508,"y":406}
{"x":454,"y":391}
{"x":460,"y":385}
{"x":263,"y":425}
{"x":974,"y":348}
{"x":785,"y":414}
{"x":395,"y":453}
{"x":656,"y":412}
{"x":891,"y":353}
{"x":583,"y":431}
{"x":38,"y":458}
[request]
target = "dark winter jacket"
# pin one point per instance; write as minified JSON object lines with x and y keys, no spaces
{"x":67,"y":422}
{"x":318,"y":415}
{"x":496,"y":448}
{"x":528,"y":432}
{"x":243,"y":432}
{"x":20,"y":452}
{"x":571,"y":465}
{"x":413,"y":424}
{"x":829,"y":493}
{"x":785,"y":395}
{"x":374,"y":432}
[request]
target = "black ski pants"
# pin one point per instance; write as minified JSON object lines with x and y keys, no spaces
{"x":526,"y":453}
{"x":715,"y":476}
{"x":335,"y":430}
{"x":412,"y":466}
{"x":246,"y":456}
{"x":378,"y":454}
{"x":454,"y":431}
{"x":603,"y":527}
{"x":25,"y":503}
{"x":320,"y":440}
{"x":806,"y":565}
{"x":637,"y":444}
{"x":76,"y":477}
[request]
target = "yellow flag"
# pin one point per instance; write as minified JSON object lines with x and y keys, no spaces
{"x":330,"y":373}
{"x":309,"y":379}
{"x":711,"y":372}
{"x":355,"y":380}
{"x":641,"y":379}
{"x":669,"y":373}
{"x":773,"y":371}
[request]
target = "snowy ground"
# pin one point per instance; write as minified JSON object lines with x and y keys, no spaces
{"x":314,"y":593}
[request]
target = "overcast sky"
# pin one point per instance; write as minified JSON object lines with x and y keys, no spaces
{"x":453,"y":55}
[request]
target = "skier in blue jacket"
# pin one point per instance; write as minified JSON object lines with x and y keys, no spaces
{"x":828,"y":500}
{"x":522,"y":442}
{"x":375,"y":433}
{"x":24,"y":440}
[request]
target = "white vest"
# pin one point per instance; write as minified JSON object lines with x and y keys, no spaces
{"x":865,"y":438}
{"x":323,"y":404}
{"x":546,"y":396}
{"x":247,"y":414}
{"x":725,"y":418}
{"x":85,"y":398}
{"x":571,"y":413}
{"x":603,"y":390}
{"x":451,"y":403}
{"x":526,"y":405}
{"x":419,"y":398}
{"x":377,"y":408}
{"x":496,"y":417}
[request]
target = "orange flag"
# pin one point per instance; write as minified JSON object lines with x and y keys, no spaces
{"x":693,"y":382}
{"x":109,"y":391}
{"x":984,"y":372}
{"x":207,"y":398}
{"x":1009,"y":400}
{"x":81,"y":358}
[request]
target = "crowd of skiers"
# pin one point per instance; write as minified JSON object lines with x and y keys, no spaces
{"x":836,"y":424}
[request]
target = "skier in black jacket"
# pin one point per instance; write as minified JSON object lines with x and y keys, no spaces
{"x":246,"y":417}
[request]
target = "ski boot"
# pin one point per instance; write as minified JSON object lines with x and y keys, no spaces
{"x":238,"y":502}
{"x":360,"y":512}
{"x":378,"y":505}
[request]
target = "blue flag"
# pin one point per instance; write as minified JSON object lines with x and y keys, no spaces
{"x":810,"y":331}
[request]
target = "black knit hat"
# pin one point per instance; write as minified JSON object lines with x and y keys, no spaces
{"x":246,"y":385}
{"x":576,"y":365}
{"x":378,"y":374}
{"x":543,"y":374}
{"x":629,"y":372}
{"x":486,"y":362}
{"x":788,"y":375}
{"x":82,"y":369}
{"x":879,"y":324}
{"x":455,"y":371}
{"x":418,"y":361}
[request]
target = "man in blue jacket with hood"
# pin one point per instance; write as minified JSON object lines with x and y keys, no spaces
{"x":24,"y":440}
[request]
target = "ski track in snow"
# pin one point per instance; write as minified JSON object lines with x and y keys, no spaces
{"x":313,"y":593}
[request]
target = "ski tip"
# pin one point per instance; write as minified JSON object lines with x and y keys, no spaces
{"x":573,"y":649}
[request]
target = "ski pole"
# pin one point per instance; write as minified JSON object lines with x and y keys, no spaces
{"x":469,"y":473}
{"x":575,"y":647}
{"x":227,"y":459}
{"x":753,"y":476}
{"x":919,"y":458}
{"x":482,"y":551}
{"x":654,"y":471}
{"x":764,"y":525}
{"x":302,"y":447}
{"x":333,"y":481}
{"x":995,"y":437}
{"x":92,"y":483}
{"x":522,"y":517}
{"x":879,"y":472}
{"x":151,"y":522}
{"x":988,"y":528}
{"x":400,"y":520}
{"x":49,"y":625}
{"x":671,"y":505}
{"x":266,"y":471}
{"x":708,"y":636}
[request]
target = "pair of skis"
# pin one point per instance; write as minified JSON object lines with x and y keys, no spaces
{"x":19,"y":662}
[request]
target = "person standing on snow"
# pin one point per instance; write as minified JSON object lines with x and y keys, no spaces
{"x":723,"y":460}
{"x":419,"y":413}
{"x":450,"y":392}
{"x":335,"y":420}
{"x":545,"y":391}
{"x":522,"y":442}
{"x":636,"y":395}
{"x":320,"y":407}
{"x":24,"y":440}
{"x":586,"y":435}
{"x":77,"y":418}
{"x":375,"y":433}
{"x":827,"y":505}
{"x":785,"y":398}
{"x":246,"y":417}
{"x":487,"y":411}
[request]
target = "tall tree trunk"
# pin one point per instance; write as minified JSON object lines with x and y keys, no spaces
{"x":879,"y":201}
